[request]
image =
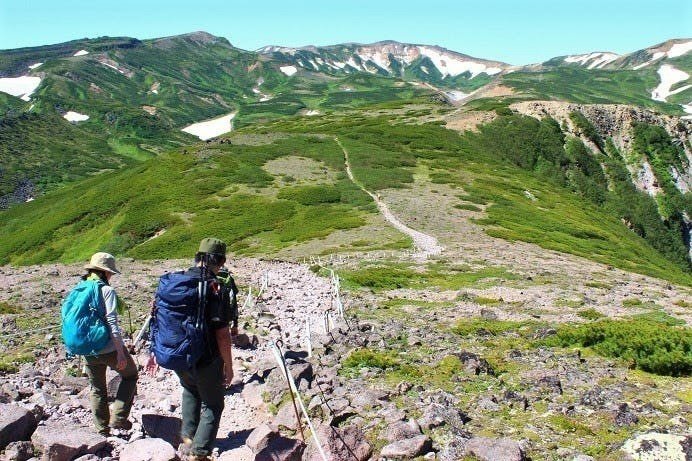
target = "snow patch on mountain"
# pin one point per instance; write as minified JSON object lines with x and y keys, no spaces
{"x":676,"y":50}
{"x":81,"y":53}
{"x":20,"y":86}
{"x":34,"y":66}
{"x":211,"y":128}
{"x":679,"y":49}
{"x":72,"y":116}
{"x":456,"y":96}
{"x":449,"y":65}
{"x":669,"y":77}
{"x":688,"y":110}
{"x":592,"y":60}
{"x":288,"y":70}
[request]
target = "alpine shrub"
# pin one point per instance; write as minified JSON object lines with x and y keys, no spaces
{"x":649,"y":346}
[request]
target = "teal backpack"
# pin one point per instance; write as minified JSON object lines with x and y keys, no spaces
{"x":84,"y":330}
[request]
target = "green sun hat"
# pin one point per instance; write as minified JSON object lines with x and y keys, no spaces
{"x":212,"y":245}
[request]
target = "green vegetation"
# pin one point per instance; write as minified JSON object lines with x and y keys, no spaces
{"x":591,"y":86}
{"x":392,"y":276}
{"x":650,"y":346}
{"x":7,"y":308}
{"x":482,"y":327}
{"x":590,"y":314}
{"x":585,"y":128}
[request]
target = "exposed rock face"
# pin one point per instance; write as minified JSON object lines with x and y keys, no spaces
{"x":148,"y":450}
{"x":16,"y":423}
{"x":66,"y":443}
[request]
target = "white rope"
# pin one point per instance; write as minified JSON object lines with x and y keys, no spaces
{"x":291,"y":382}
{"x":308,"y":339}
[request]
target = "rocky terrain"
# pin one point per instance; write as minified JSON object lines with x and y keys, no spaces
{"x":442,"y":396}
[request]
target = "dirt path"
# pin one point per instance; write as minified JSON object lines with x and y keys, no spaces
{"x":425,"y":244}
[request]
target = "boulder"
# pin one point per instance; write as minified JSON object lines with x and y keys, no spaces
{"x":408,"y":448}
{"x":19,"y":451}
{"x":486,"y":449}
{"x":346,"y":443}
{"x":400,"y":430}
{"x":286,"y":417}
{"x":16,"y":423}
{"x":474,"y":364}
{"x":656,"y":446}
{"x":162,"y":427}
{"x":61,"y":443}
{"x":259,"y":438}
{"x":282,"y":449}
{"x":624,"y":416}
{"x":148,"y":450}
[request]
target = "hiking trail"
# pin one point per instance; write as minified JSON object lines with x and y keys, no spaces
{"x":426,"y":245}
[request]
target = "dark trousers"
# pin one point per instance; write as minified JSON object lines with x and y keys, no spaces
{"x":96,"y":370}
{"x":203,"y":403}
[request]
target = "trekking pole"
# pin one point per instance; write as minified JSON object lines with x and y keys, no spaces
{"x":140,"y":335}
{"x":278,"y":355}
{"x":129,"y":319}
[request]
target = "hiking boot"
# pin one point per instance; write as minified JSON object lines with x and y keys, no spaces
{"x":198,"y":458}
{"x":124,"y":425}
{"x":185,"y":448}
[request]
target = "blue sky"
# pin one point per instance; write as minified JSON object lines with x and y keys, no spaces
{"x":514,"y":31}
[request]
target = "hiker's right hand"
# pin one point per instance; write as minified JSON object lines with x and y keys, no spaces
{"x":122,"y":360}
{"x":151,"y":367}
{"x":227,"y":373}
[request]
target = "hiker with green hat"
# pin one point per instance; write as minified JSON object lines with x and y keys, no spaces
{"x":90,"y":328}
{"x":205,"y":366}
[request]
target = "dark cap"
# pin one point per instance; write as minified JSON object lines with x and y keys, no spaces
{"x":212,"y":245}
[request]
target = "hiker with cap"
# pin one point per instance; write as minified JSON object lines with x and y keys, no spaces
{"x":90,"y":328}
{"x":190,"y":335}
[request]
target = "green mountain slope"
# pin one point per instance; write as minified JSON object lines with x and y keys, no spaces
{"x":159,"y":208}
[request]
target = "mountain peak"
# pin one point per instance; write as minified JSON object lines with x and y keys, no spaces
{"x":199,"y":37}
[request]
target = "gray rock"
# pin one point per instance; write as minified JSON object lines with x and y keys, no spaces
{"x":486,"y":449}
{"x":407,"y":448}
{"x":65,"y":443}
{"x":488,"y":404}
{"x":346,"y":443}
{"x":148,"y":450}
{"x":624,"y":416}
{"x":393,"y":414}
{"x":16,"y":423}
{"x":19,"y":451}
{"x":550,"y":383}
{"x":286,"y":417}
{"x":656,"y":446}
{"x":400,"y":430}
{"x":259,"y":438}
{"x":488,"y":314}
{"x":581,"y":457}
{"x":474,"y":364}
{"x":282,"y":449}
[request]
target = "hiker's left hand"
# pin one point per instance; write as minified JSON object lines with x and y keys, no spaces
{"x":227,"y":374}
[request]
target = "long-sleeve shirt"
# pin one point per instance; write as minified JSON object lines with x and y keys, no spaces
{"x":109,"y":305}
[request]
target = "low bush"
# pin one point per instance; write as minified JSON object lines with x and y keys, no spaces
{"x":650,"y":346}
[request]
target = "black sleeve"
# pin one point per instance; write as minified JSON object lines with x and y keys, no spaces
{"x":218,"y":307}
